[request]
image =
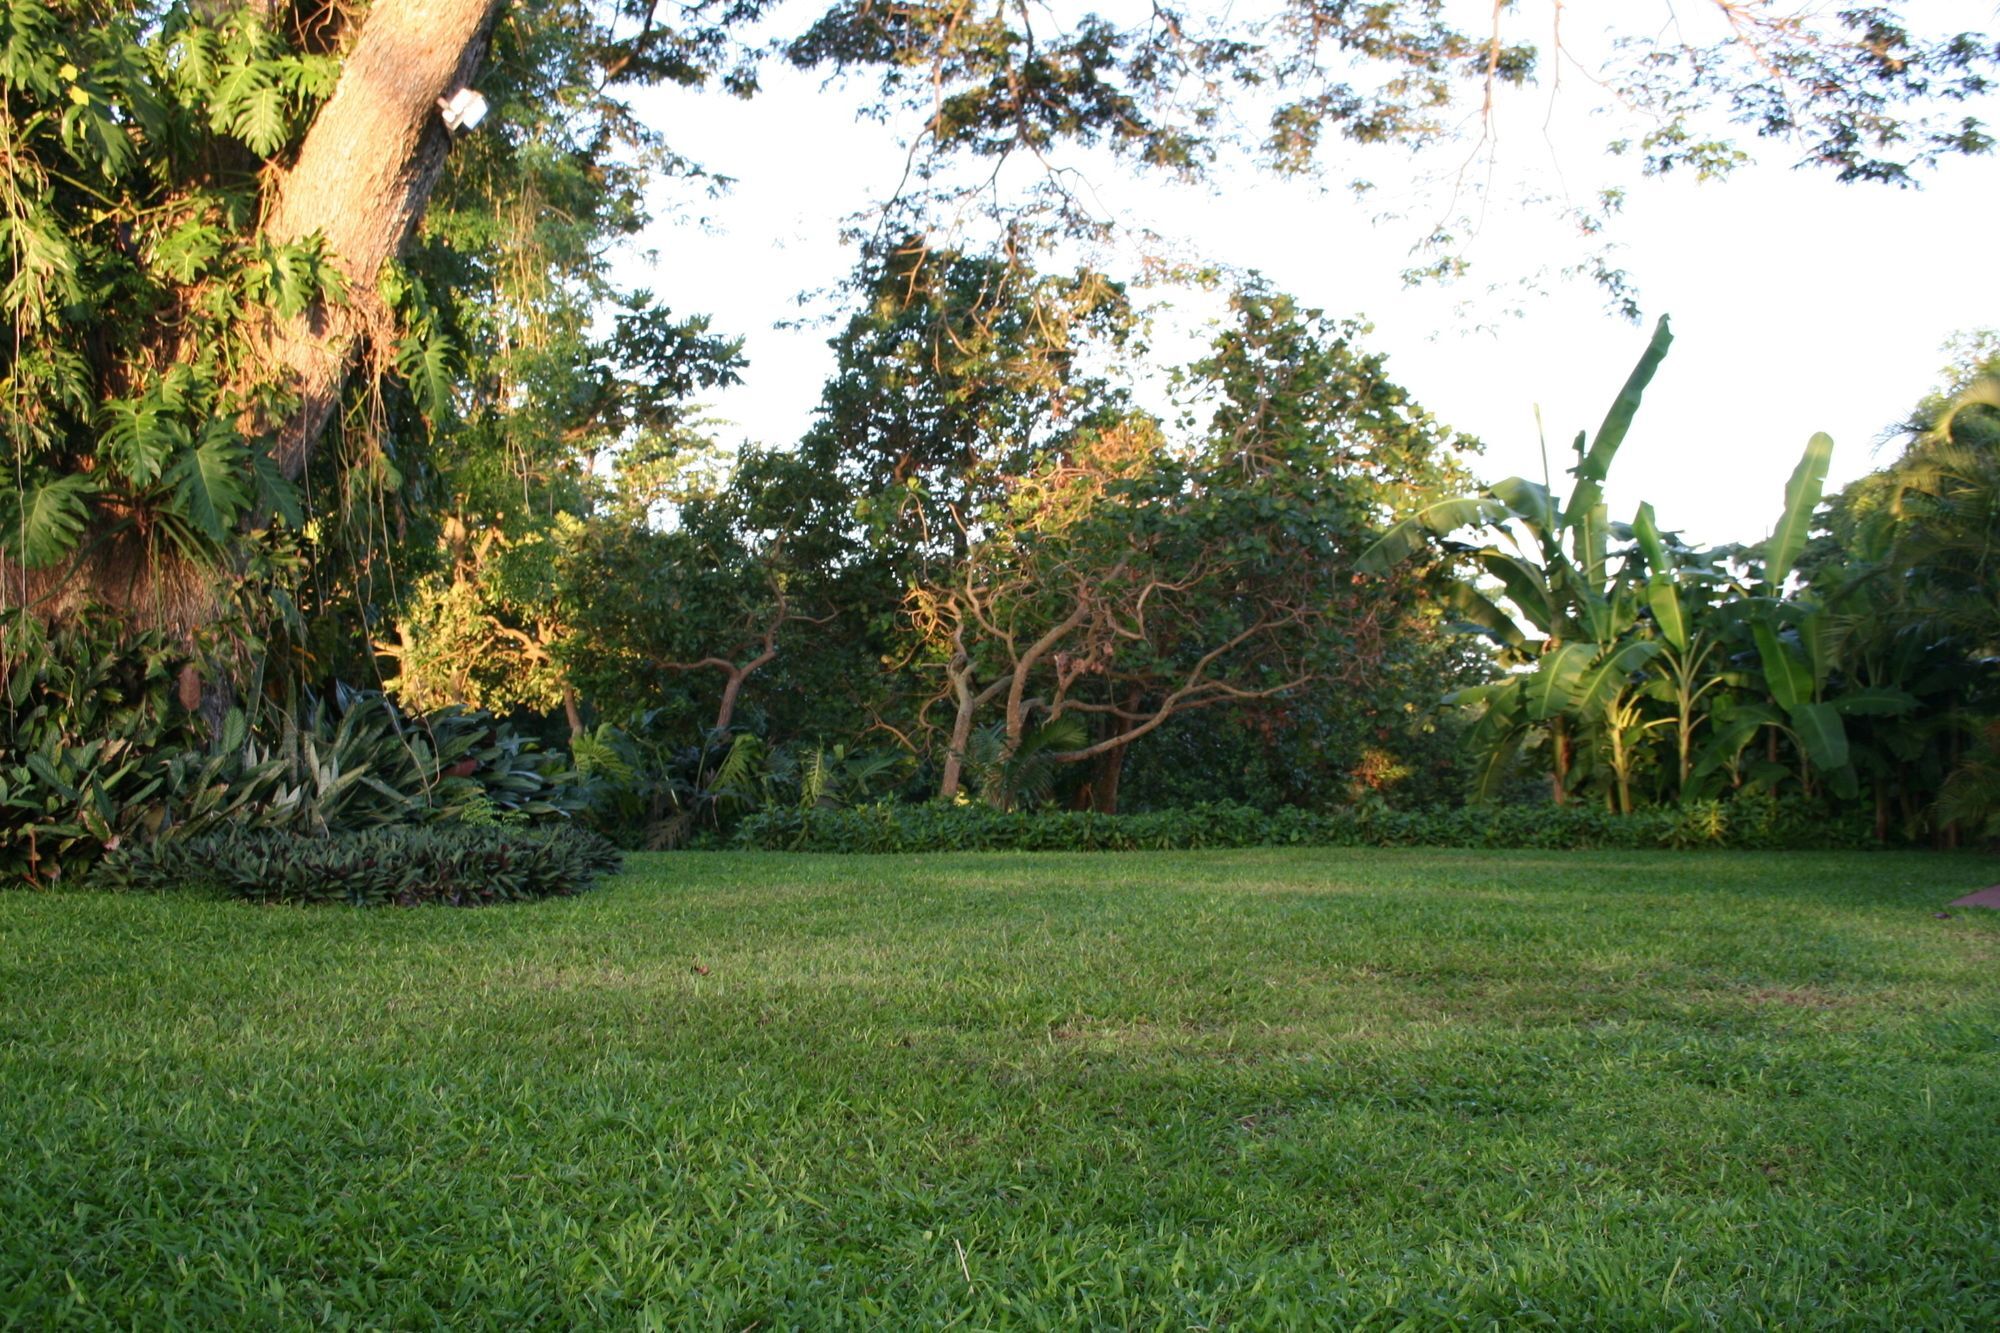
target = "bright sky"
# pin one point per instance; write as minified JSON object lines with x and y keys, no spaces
{"x":1798,"y":304}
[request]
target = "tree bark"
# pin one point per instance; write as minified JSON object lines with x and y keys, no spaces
{"x":1104,"y":782}
{"x":725,"y":712}
{"x":1110,"y":765}
{"x":363,"y":177}
{"x":961,"y":736}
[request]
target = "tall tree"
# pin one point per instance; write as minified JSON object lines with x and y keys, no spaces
{"x":202,"y":212}
{"x":1133,"y":578}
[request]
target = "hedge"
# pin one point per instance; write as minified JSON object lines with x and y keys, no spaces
{"x":1747,"y":823}
{"x":461,"y":866}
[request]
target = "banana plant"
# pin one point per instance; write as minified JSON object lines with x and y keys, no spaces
{"x":1794,"y":640}
{"x":1563,"y":615}
{"x":1692,"y":673}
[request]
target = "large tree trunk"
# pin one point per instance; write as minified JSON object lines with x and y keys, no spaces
{"x":1110,"y":765}
{"x":1105,"y":781}
{"x":362,"y":179}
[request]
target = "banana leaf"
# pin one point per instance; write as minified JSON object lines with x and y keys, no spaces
{"x":1785,"y":674}
{"x":1551,"y":688}
{"x":1413,"y":534}
{"x":1594,"y":465}
{"x":1875,"y":701}
{"x":1604,"y":677}
{"x":1822,"y":733}
{"x":1663,"y":598}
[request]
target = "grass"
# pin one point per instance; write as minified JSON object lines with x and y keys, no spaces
{"x":1242,"y":1090}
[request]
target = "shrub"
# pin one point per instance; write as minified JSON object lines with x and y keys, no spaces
{"x":461,"y":866}
{"x":357,"y":761}
{"x":86,"y":719}
{"x":1761,"y":823}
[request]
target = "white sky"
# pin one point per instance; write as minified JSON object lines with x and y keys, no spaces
{"x":1798,"y":304}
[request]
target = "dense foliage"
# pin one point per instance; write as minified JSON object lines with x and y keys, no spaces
{"x":1649,"y":673}
{"x":91,"y":724}
{"x":398,"y":865}
{"x":267,"y":445}
{"x":100,"y":747}
{"x":1753,"y":823}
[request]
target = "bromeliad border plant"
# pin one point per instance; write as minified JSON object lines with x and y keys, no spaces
{"x":397,"y":865}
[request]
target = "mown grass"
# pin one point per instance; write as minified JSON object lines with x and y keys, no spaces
{"x":1241,"y":1090}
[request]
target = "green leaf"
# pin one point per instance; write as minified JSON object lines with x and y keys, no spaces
{"x":275,"y":494}
{"x":1495,"y":763}
{"x":208,"y":482}
{"x":1525,"y":584}
{"x":1503,"y":695}
{"x":1731,"y":733}
{"x":1822,"y":733}
{"x":1413,"y":534}
{"x":1551,"y":687}
{"x":1530,"y":501}
{"x":1787,"y":677}
{"x":187,"y":250}
{"x":47,"y":520}
{"x":429,"y":365}
{"x":1875,"y":701}
{"x":1590,"y":529}
{"x":139,"y":438}
{"x":1481,"y":615}
{"x":1597,"y":684}
{"x":1810,"y":624}
{"x":255,"y":108}
{"x":1646,"y":531}
{"x":1593,"y":466}
{"x":46,"y":771}
{"x":1802,"y":494}
{"x":1663,"y":596}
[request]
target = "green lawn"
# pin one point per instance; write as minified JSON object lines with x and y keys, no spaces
{"x":1242,"y":1090}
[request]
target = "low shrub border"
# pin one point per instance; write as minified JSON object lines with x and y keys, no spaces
{"x":462,"y":866}
{"x":1748,"y":824}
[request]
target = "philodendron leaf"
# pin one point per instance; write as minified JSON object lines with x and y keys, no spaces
{"x":1802,"y":494}
{"x":209,"y":485}
{"x":275,"y":494}
{"x":47,"y":519}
